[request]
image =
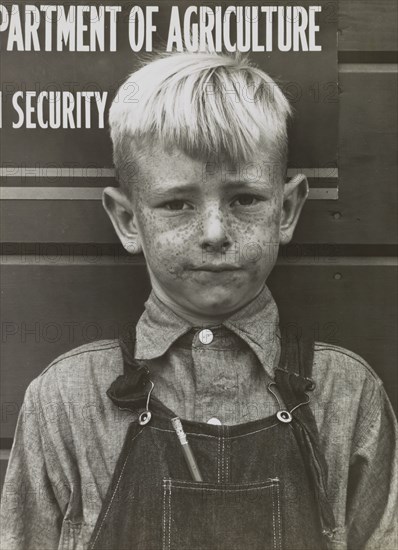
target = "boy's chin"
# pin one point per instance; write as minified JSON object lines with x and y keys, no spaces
{"x":218,"y":303}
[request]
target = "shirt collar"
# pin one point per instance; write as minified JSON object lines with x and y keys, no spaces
{"x":157,"y":329}
{"x":256,"y":323}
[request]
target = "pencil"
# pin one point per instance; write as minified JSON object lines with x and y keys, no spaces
{"x":186,"y":449}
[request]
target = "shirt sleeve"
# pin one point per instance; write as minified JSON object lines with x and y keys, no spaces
{"x":372,"y":506}
{"x":31,"y":518}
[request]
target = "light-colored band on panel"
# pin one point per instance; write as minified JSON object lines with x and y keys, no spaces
{"x":95,"y":193}
{"x":330,"y":172}
{"x":51,"y":193}
{"x":368,"y":68}
{"x":54,"y":172}
{"x":324,"y":193}
{"x":49,"y":256}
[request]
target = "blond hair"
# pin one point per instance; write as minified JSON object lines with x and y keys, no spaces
{"x":203,"y":104}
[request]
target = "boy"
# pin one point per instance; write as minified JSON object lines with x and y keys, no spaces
{"x":291,"y":444}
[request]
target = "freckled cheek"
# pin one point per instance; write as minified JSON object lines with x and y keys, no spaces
{"x":166,"y":246}
{"x":258,"y":244}
{"x":259,"y":230}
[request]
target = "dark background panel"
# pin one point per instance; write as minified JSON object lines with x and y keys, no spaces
{"x":3,"y":468}
{"x":366,"y":211}
{"x":368,"y":25}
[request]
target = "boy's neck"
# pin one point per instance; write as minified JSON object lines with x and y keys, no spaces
{"x":193,"y":319}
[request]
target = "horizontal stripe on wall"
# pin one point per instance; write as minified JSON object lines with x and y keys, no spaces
{"x":55,"y":172}
{"x":95,"y":193}
{"x":57,"y":260}
{"x":368,"y":68}
{"x":99,"y":172}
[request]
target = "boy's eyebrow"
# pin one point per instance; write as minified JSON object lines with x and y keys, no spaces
{"x":260,"y":185}
{"x":194,"y":187}
{"x":239,"y":182}
{"x":179,"y":188}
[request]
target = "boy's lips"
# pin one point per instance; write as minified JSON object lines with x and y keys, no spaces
{"x":216,"y":268}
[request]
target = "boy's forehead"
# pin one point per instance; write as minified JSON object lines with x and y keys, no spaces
{"x":174,"y":168}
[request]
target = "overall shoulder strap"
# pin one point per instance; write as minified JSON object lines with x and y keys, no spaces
{"x":127,"y":341}
{"x":132,"y":389}
{"x":293,"y":378}
{"x":129,"y":390}
{"x":293,"y":375}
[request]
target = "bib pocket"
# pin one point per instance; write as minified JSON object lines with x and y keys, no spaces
{"x":221,"y":516}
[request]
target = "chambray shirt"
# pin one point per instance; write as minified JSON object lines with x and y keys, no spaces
{"x":70,"y":434}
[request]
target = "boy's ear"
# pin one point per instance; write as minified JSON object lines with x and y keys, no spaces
{"x":295,"y":193}
{"x":119,"y":209}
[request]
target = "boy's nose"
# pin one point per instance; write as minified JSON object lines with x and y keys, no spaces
{"x":215,"y":234}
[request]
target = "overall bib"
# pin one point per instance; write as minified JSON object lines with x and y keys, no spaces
{"x":263,"y":481}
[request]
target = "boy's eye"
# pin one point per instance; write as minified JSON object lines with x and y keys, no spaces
{"x":176,"y":205}
{"x":245,"y":200}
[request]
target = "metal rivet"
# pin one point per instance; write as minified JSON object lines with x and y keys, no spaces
{"x":214,"y":421}
{"x":311,"y":385}
{"x":284,"y":416}
{"x":206,"y":336}
{"x":337,"y":276}
{"x":144,"y":418}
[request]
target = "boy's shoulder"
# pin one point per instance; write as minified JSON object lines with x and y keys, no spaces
{"x":84,"y":355}
{"x":344,"y":363}
{"x":86,"y":369}
{"x":345,"y":382}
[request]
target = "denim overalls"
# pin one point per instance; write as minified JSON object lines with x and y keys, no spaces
{"x":263,"y":481}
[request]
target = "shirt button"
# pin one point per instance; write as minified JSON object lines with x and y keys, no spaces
{"x":214,"y":421}
{"x":206,"y":336}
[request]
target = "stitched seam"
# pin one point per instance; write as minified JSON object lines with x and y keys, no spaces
{"x":115,"y":491}
{"x":216,"y":436}
{"x":366,"y":423}
{"x":273,"y":518}
{"x":364,"y":433}
{"x":218,"y":458}
{"x":69,"y":356}
{"x":279,"y":517}
{"x":255,"y":431}
{"x":356,"y":358}
{"x":198,"y":348}
{"x":34,"y":391}
{"x":164,"y":514}
{"x":260,"y":484}
{"x":169,"y":539}
{"x":224,"y":489}
{"x":227,"y":458}
{"x":223,"y":459}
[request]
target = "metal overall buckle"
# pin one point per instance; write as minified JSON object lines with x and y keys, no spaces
{"x":146,"y":415}
{"x":283,"y":415}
